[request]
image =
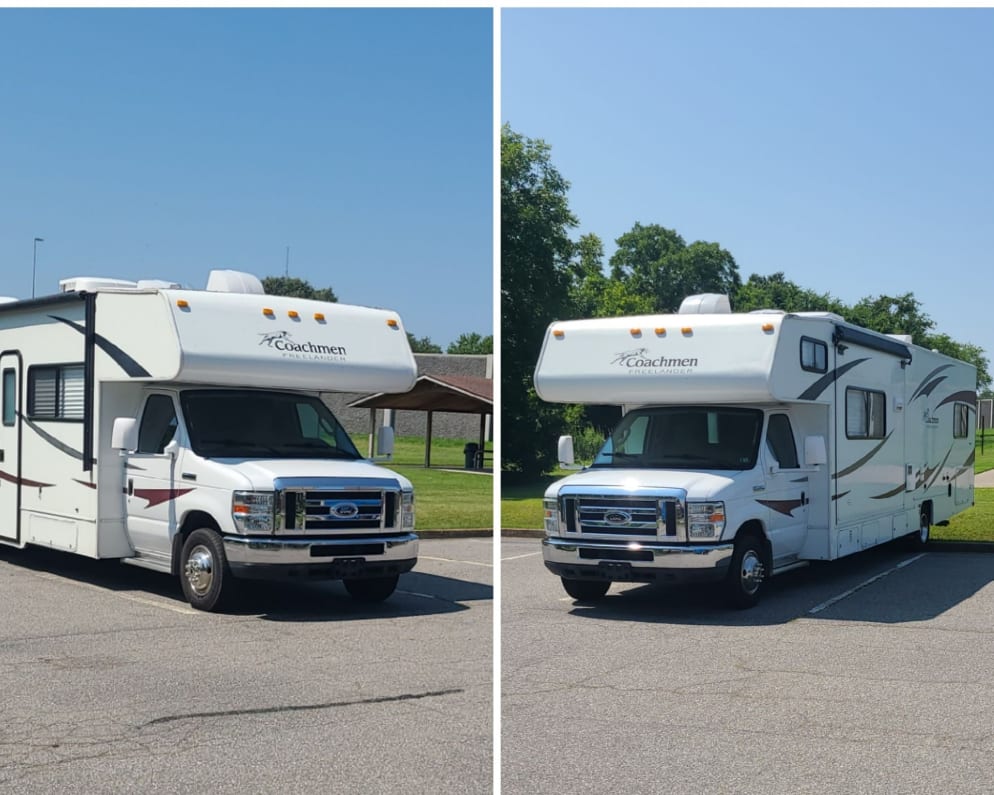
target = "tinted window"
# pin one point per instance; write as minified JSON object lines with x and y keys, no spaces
{"x":158,"y":424}
{"x":865,"y":414}
{"x":780,"y":441}
{"x":814,"y":355}
{"x":56,"y":392}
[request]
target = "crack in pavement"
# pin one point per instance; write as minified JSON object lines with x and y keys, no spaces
{"x":303,"y":707}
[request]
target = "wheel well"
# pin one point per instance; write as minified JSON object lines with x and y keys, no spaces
{"x":191,"y":522}
{"x":926,"y":509}
{"x":755,"y":528}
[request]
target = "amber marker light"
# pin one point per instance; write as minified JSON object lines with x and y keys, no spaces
{"x":660,"y":332}
{"x":558,"y":333}
{"x":268,"y":312}
{"x":767,"y":327}
{"x":393,"y":323}
{"x":293,"y":313}
{"x":182,"y":303}
{"x":636,"y":332}
{"x":687,"y":331}
{"x":319,"y":317}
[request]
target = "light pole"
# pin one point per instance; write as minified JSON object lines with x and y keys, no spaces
{"x":34,"y":263}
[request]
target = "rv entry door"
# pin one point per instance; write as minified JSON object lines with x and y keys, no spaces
{"x":10,"y":447}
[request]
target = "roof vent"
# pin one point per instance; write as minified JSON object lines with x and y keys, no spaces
{"x":222,"y":281}
{"x":157,"y":284}
{"x":90,"y":284}
{"x":706,"y":304}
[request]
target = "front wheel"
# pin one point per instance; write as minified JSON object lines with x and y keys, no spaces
{"x":204,"y":573}
{"x":747,"y":573}
{"x":586,"y":590}
{"x":373,"y":589}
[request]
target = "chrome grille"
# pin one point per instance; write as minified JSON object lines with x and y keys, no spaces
{"x":615,"y":512}
{"x":620,"y":515}
{"x":325,"y":509}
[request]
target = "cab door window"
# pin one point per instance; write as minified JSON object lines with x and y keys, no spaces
{"x":158,"y":425}
{"x":780,"y":441}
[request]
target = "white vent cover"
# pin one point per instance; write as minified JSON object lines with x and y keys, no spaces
{"x":90,"y":284}
{"x":223,"y":281}
{"x":157,"y":284}
{"x":706,"y":304}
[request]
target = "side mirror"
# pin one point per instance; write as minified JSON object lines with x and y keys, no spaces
{"x":384,"y":442}
{"x":815,"y":452}
{"x":171,"y":449}
{"x":124,"y":435}
{"x":566,"y":450}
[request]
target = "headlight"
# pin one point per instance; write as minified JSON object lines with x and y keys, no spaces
{"x":253,"y":511}
{"x":551,"y":516}
{"x":705,"y":519}
{"x":407,"y":509}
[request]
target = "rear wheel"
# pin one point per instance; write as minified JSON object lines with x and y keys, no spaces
{"x":918,"y":540}
{"x":373,"y":589}
{"x":204,"y":573}
{"x":747,"y":572}
{"x":586,"y":590}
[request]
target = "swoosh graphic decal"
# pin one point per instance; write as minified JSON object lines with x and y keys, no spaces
{"x":58,"y":444}
{"x":159,"y":496}
{"x":125,"y":362}
{"x":786,"y":507}
{"x":822,"y":383}
{"x":967,"y":396}
{"x":934,"y":373}
{"x":927,"y":389}
{"x":857,"y":464}
{"x":85,"y":483}
{"x":938,"y":469}
{"x":839,"y":496}
{"x":23,"y":481}
{"x":886,"y":494}
{"x":800,"y":480}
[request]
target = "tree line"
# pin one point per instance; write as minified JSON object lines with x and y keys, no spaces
{"x":547,"y":276}
{"x":467,"y":343}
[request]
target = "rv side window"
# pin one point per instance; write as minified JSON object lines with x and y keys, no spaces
{"x":865,"y":414}
{"x":9,"y":397}
{"x":961,"y":420}
{"x":55,"y":392}
{"x":814,"y":355}
{"x":158,"y":424}
{"x":780,"y":441}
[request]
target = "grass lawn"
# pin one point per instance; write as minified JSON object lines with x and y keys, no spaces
{"x":984,"y":460}
{"x":521,"y":502}
{"x":443,"y":500}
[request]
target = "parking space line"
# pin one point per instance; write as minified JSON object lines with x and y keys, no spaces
{"x":851,"y":591}
{"x":518,"y":557}
{"x":183,"y":609}
{"x":450,"y":560}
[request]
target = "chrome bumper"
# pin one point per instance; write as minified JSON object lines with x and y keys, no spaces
{"x":250,"y":552}
{"x":617,"y":559}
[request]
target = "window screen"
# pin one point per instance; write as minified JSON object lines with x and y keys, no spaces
{"x":56,"y":392}
{"x":961,"y":420}
{"x":865,"y":414}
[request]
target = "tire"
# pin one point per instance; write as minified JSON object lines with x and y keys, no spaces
{"x":747,"y":573}
{"x":918,"y":540}
{"x":372,"y":589}
{"x":586,"y":590}
{"x":204,"y":573}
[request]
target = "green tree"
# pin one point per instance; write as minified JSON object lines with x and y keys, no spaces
{"x":472,"y":343}
{"x":593,"y":294}
{"x":422,"y":344}
{"x":535,"y":290}
{"x":297,"y":288}
{"x":654,"y":261}
{"x":777,"y":292}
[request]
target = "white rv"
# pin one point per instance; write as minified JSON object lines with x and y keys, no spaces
{"x":183,"y":431}
{"x":749,"y":445}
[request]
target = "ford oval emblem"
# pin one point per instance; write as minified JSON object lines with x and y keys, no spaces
{"x":617,"y":517}
{"x":345,"y":510}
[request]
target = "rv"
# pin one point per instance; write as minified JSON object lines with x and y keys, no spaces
{"x":750,"y":444}
{"x":183,"y":431}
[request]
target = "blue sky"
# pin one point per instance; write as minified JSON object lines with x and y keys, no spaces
{"x":161,"y":144}
{"x":851,"y":149}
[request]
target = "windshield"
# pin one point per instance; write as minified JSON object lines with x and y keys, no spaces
{"x":684,"y":437}
{"x":249,"y":424}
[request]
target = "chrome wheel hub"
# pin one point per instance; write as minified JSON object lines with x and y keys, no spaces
{"x":199,"y":570}
{"x":752,"y":572}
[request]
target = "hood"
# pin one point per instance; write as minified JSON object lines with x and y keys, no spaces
{"x":262,"y":472}
{"x":698,"y":485}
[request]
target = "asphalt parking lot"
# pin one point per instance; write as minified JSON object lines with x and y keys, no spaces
{"x":111,"y":683}
{"x":871,"y":674}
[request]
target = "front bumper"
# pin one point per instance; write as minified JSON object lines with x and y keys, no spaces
{"x":644,"y":561}
{"x":357,"y":557}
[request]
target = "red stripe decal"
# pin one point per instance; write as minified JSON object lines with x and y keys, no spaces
{"x":159,"y":496}
{"x":23,"y":481}
{"x":85,"y":483}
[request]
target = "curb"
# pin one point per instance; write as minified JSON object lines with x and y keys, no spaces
{"x":511,"y":532}
{"x":959,"y":546}
{"x":483,"y":533}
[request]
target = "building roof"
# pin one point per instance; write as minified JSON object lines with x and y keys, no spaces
{"x":463,"y":394}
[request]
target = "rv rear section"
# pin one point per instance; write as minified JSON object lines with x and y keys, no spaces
{"x":184,"y":431}
{"x":750,"y":444}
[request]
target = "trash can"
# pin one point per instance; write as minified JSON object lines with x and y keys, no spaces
{"x":470,"y":451}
